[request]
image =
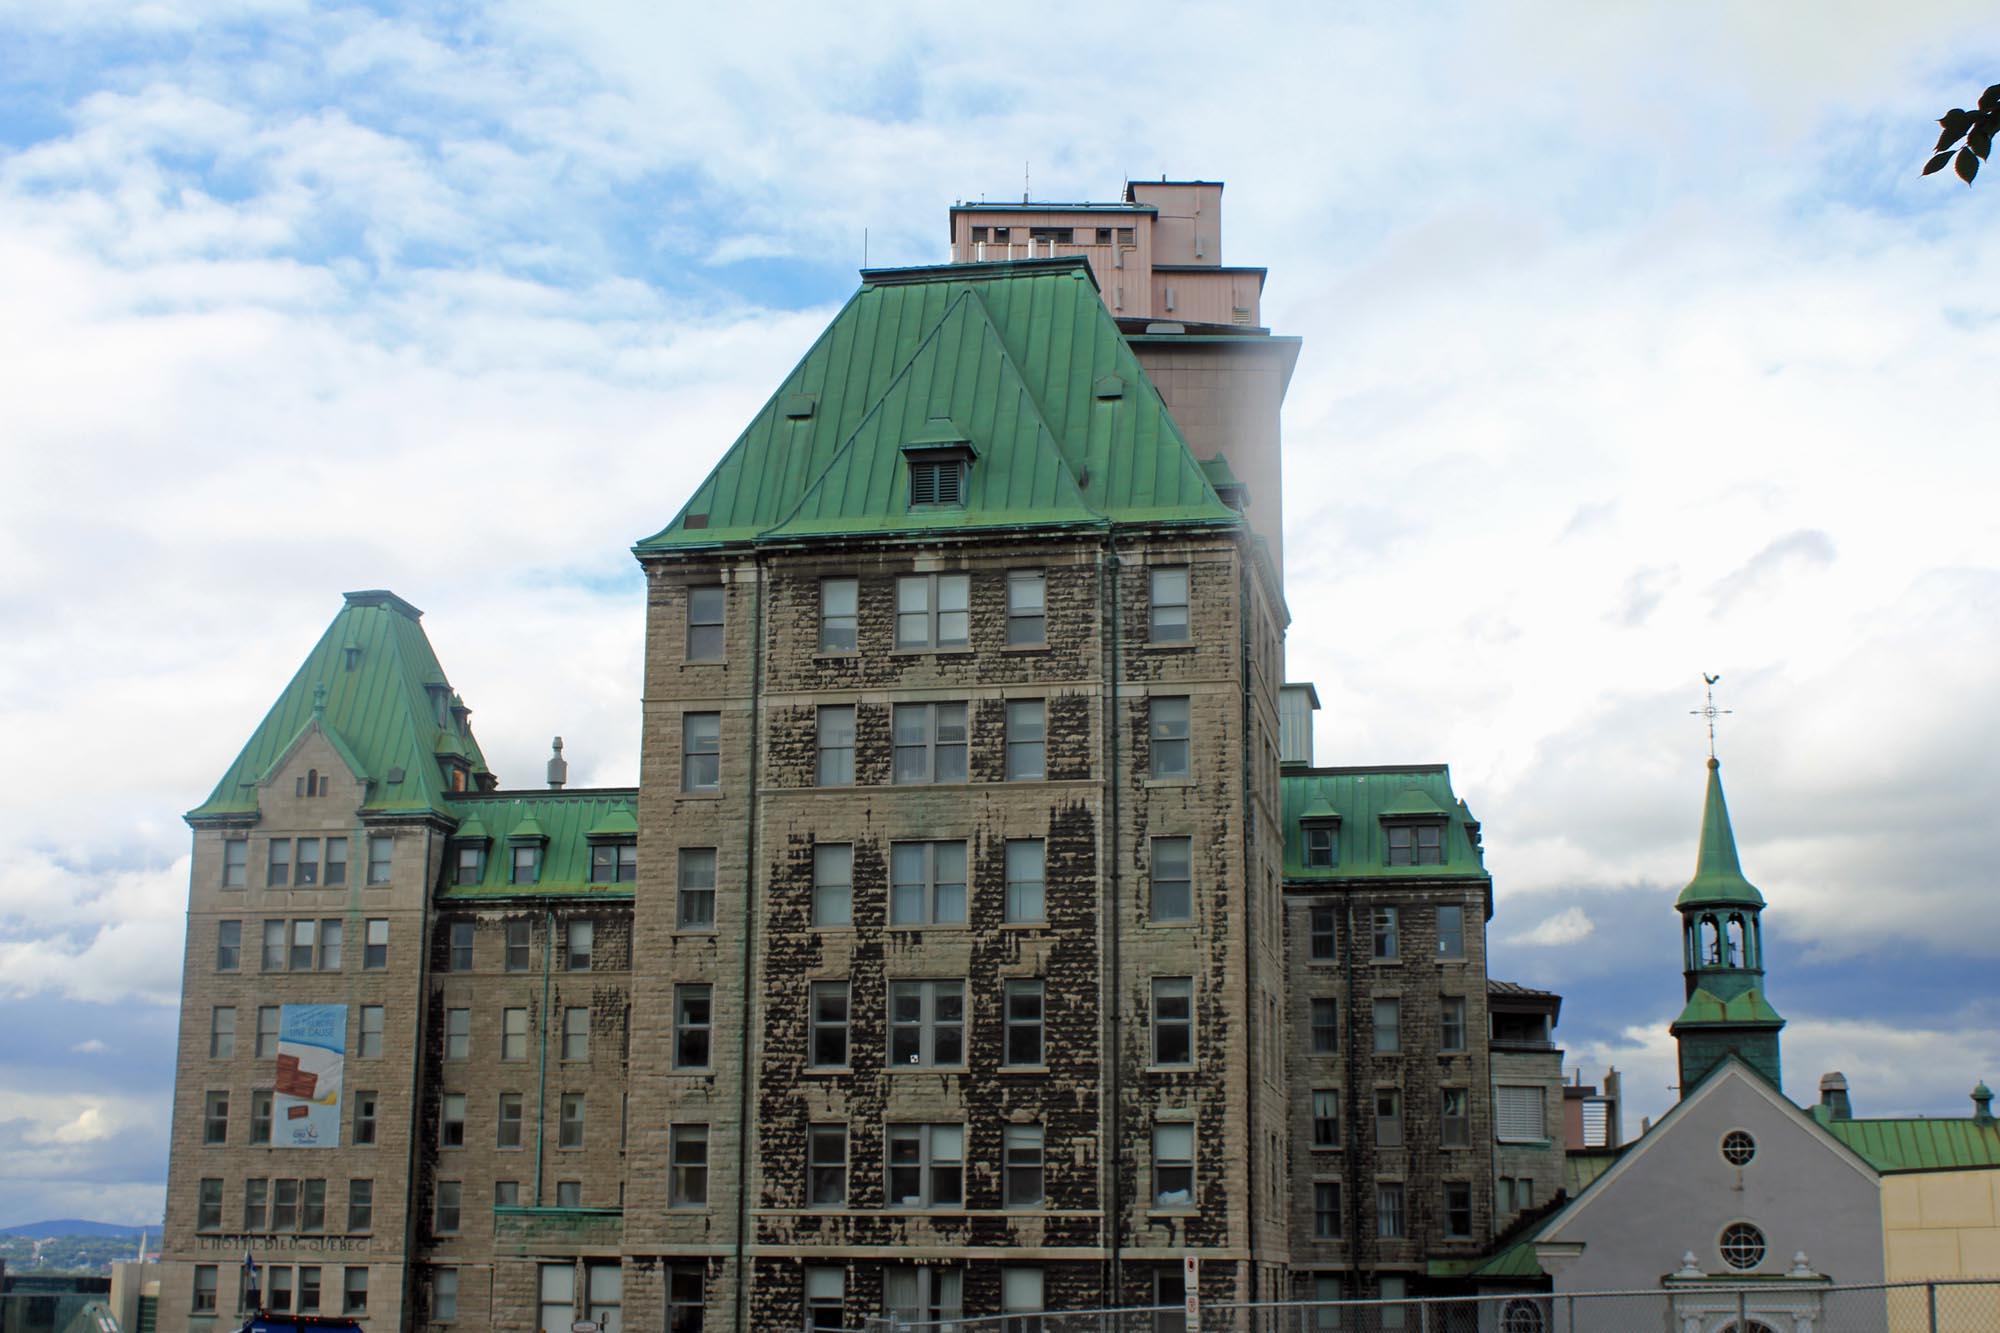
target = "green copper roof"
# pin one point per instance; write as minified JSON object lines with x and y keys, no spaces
{"x":617,"y":822}
{"x":562,"y":821}
{"x":1361,"y":798}
{"x":1718,"y":875}
{"x":1918,"y":1144}
{"x":1008,"y":354}
{"x":1706,"y":1007}
{"x":372,"y":671}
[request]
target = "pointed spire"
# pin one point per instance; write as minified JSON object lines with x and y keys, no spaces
{"x":1718,"y":875}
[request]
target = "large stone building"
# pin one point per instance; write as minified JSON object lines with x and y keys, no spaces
{"x":962,"y":947}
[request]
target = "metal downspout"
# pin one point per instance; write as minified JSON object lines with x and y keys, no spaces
{"x":1352,"y":1128}
{"x":1112,"y":1150}
{"x":1252,"y":1028}
{"x":743,"y":1122}
{"x":542,"y":1058}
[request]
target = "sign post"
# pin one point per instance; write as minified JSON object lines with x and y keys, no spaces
{"x":1191,"y":1289}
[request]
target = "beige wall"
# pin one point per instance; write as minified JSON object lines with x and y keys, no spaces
{"x":1941,"y":1224}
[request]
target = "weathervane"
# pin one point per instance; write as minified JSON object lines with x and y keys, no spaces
{"x":1710,"y":711}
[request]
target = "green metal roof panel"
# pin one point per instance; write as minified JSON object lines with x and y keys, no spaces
{"x":1361,"y":798}
{"x":1718,"y":875}
{"x":1705,"y":1006}
{"x":1010,"y":351}
{"x":378,"y":712}
{"x":1919,"y":1144}
{"x":565,"y":819}
{"x":618,"y":822}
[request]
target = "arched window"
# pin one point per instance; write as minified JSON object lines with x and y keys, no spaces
{"x":1732,"y":942}
{"x":1711,"y":942}
{"x":1522,"y":1316}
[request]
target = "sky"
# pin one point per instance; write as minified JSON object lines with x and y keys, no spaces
{"x":1634,"y":347}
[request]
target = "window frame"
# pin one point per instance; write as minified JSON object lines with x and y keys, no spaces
{"x":1172,"y":988}
{"x":229,"y":945}
{"x":933,"y":612}
{"x":933,"y":754}
{"x":687,"y":1166}
{"x":1505,"y":1126}
{"x":1027,"y":740}
{"x":364,"y":1048}
{"x":1388,"y":1035}
{"x":1385,"y":933}
{"x":1167,"y":738}
{"x":1453,"y":1015}
{"x":931,"y":1040}
{"x":1389,"y":1117}
{"x":1406,"y":843}
{"x":833,"y":899}
{"x":1167,"y":1167}
{"x":614,"y":861}
{"x":1170,"y":900}
{"x":580,"y":944}
{"x":821,"y":1026}
{"x":1330,"y":1007}
{"x":235,"y":863}
{"x":451,"y":1120}
{"x":448,"y":1207}
{"x":513,"y":1033}
{"x":458,"y":1033}
{"x":826,"y":1170}
{"x":520,"y":949}
{"x":833,"y":764}
{"x":1325,"y":1118}
{"x":704,"y":619}
{"x":1021,"y":620}
{"x":1456,"y":1214}
{"x":832,"y":623}
{"x":1161,"y":596}
{"x":572,"y":1121}
{"x":1026,"y":899}
{"x":934,"y":899}
{"x":1326,"y":1210}
{"x":381,"y":860}
{"x":690,"y":894}
{"x":1391,"y":1211}
{"x":1322,"y":934}
{"x":215,"y":1118}
{"x":1319,"y":843}
{"x":928,"y":1165}
{"x":360,"y":1205}
{"x":1455,"y":933}
{"x":694,"y":1018}
{"x":575,"y":1047}
{"x":1017,"y":1027}
{"x":1023,"y":1163}
{"x":701,"y":751}
{"x":1454,"y":1118}
{"x":508,"y":1117}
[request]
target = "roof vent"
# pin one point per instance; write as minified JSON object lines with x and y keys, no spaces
{"x":1833,"y":1096}
{"x":1982,"y":1104}
{"x":799,"y":406}
{"x":1109,"y":386}
{"x":394,"y":776}
{"x":1166,"y":326}
{"x":352,"y":653}
{"x":558,"y":766}
{"x":695,"y":521}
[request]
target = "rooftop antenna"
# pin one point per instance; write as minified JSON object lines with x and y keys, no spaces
{"x":1710,"y":711}
{"x":864,"y":247}
{"x":1024,"y":182}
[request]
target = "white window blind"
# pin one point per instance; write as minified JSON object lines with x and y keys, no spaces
{"x":1519,"y":1113}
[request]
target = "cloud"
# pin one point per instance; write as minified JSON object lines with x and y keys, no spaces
{"x":92,"y":1046}
{"x":1788,"y":556}
{"x":1568,"y":926}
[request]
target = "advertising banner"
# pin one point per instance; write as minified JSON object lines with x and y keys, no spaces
{"x":312,"y":1049}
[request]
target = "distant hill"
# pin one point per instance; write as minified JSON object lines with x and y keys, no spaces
{"x":72,"y":1227}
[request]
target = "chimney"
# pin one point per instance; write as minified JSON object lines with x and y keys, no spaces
{"x":558,"y":768}
{"x":1297,"y":702}
{"x":1833,"y":1096}
{"x":1982,"y":1104}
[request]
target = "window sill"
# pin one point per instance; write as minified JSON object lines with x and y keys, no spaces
{"x":1170,"y":782}
{"x":925,"y":927}
{"x":1170,"y":1069}
{"x":1525,"y":1143}
{"x":704,"y":661}
{"x":1025,"y":648}
{"x":1177,"y":1211}
{"x":1386,"y":962}
{"x":957,"y":650}
{"x":695,"y":932}
{"x":1042,"y":924}
{"x":1024,"y":1069}
{"x":827,"y":1071}
{"x":924,"y":1069}
{"x":1177,"y":924}
{"x":714,"y":795}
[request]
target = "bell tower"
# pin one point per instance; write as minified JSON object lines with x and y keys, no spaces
{"x":1722,"y":957}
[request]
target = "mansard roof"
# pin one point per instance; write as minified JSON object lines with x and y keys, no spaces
{"x":561,"y":823}
{"x":373,"y":685}
{"x":1361,"y":799}
{"x":1065,"y":426}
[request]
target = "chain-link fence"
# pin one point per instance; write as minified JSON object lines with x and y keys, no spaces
{"x":1777,"y":1306}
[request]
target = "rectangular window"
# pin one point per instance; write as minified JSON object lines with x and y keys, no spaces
{"x":922,"y":1294}
{"x":1173,"y":1166}
{"x":256,"y":1204}
{"x":835,"y":727}
{"x":929,"y":742}
{"x":1389,"y":1224}
{"x":833,"y":884}
{"x":457,"y":1034}
{"x":1458,"y":1210}
{"x":519,"y":937}
{"x":336,"y":862}
{"x":1388,"y":1026}
{"x":364,"y":1119}
{"x":1172,"y":887}
{"x":1416,"y":844}
{"x":1520,"y":1114}
{"x":1169,"y":604}
{"x":284,"y":1205}
{"x":576,"y":1033}
{"x":826,"y":1166}
{"x":1321,"y":937}
{"x":926,"y":1166}
{"x":360,"y":1206}
{"x":1322,"y":846}
{"x":1325,"y":1026}
{"x":215,"y":1118}
{"x":701,"y":752}
{"x":1026,"y":867}
{"x":308,"y":863}
{"x":558,"y":1297}
{"x":305,"y":938}
{"x":1021,"y":1165}
{"x":330,"y":932}
{"x":614,"y":862}
{"x":931,"y":611}
{"x":825,"y":1299}
{"x":526,"y":867}
{"x":1451,"y":932}
{"x":1027,"y":739}
{"x":937,"y":481}
{"x":927,"y":884}
{"x":1173,"y":1020}
{"x":449,"y":1202}
{"x":444,"y":1294}
{"x":370,"y":1045}
{"x":1326,"y":1209}
{"x":569,"y":1125}
{"x":839,"y":615}
{"x":582,"y":937}
{"x":1454,"y":1128}
{"x":222,"y":1032}
{"x":267,"y":1031}
{"x":686,"y":1291}
{"x":691,"y":1025}
{"x":1386,"y":944}
{"x":514,"y":1034}
{"x":273,"y":957}
{"x":381,"y":858}
{"x":312,"y":1205}
{"x":687,"y":1151}
{"x":375,"y":944}
{"x":278,"y":864}
{"x":278,"y":1289}
{"x":1027,"y":608}
{"x":471,"y":863}
{"x":604,"y":1289}
{"x":235,"y":863}
{"x":451,"y":1120}
{"x":228,"y":946}
{"x":704,"y":624}
{"x":829,"y":1024}
{"x":506,"y":1194}
{"x":1326,"y":1118}
{"x":208,"y":1205}
{"x":204,"y":1289}
{"x":1024,"y":1021}
{"x":926,"y":1023}
{"x":1021,"y":1294}
{"x":696,"y":889}
{"x":1167,"y":729}
{"x":260,"y":1116}
{"x":509,"y":1135}
{"x":1451,"y":1023}
{"x":1388,"y":1118}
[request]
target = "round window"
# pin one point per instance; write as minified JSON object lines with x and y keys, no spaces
{"x":1742,"y":1245}
{"x":1738,"y":1147}
{"x":1521,"y":1316}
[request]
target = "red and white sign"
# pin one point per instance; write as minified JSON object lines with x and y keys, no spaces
{"x":1191,"y":1286}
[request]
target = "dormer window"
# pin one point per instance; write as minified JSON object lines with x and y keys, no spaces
{"x":939,"y":457}
{"x":471,"y":866}
{"x":527,"y":868}
{"x":1322,"y":843}
{"x":614,"y":862}
{"x":1416,"y":844}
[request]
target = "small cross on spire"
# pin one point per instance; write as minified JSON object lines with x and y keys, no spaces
{"x":1710,"y":711}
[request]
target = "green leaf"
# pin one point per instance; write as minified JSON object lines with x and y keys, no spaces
{"x":1966,"y":165}
{"x":1980,"y":141}
{"x":1990,"y":99}
{"x":1937,"y":163}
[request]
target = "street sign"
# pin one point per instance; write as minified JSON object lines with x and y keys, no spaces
{"x":1191,"y":1287}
